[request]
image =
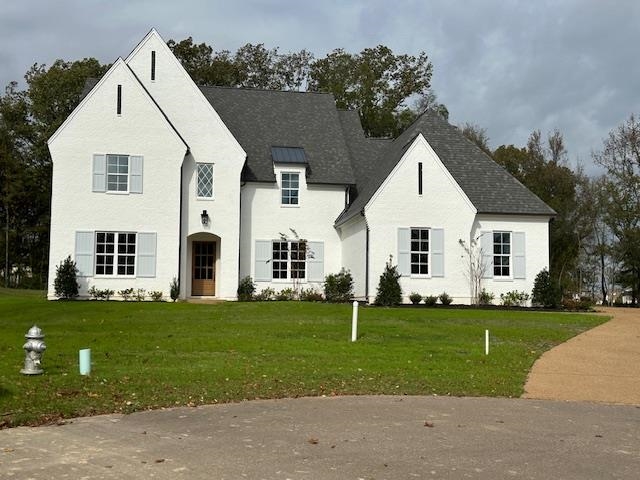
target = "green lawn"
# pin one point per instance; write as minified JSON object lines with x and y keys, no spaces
{"x":150,"y":355}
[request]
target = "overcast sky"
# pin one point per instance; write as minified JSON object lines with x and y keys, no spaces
{"x":508,"y":66}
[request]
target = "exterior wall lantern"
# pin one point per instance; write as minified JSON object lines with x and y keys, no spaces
{"x":34,"y":347}
{"x":204,"y":216}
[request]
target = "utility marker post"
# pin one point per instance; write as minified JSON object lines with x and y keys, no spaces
{"x":354,"y":322}
{"x":486,"y":342}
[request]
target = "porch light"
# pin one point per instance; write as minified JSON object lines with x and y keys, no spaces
{"x":204,"y":216}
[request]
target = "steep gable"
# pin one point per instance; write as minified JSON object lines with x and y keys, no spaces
{"x":97,"y":97}
{"x":489,"y":187}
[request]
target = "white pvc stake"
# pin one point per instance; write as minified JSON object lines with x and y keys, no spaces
{"x":85,"y":361}
{"x":486,"y":342}
{"x":354,"y":322}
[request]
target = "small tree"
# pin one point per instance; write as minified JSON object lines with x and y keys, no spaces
{"x":66,"y":283}
{"x":174,"y":289}
{"x":545,"y":292}
{"x":477,"y":267}
{"x":338,"y":287}
{"x":389,"y":290}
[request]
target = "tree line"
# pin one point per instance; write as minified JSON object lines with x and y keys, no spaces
{"x":591,"y":238}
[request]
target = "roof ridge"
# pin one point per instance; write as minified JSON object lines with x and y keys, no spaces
{"x":269,"y":90}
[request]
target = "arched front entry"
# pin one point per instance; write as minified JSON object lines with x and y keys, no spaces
{"x":204,"y":256}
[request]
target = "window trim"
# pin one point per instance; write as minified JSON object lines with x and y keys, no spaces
{"x":282,"y":190}
{"x":509,"y":256}
{"x":128,"y":174}
{"x":289,"y":261}
{"x":115,"y":261}
{"x":213,"y":191}
{"x":412,"y":252}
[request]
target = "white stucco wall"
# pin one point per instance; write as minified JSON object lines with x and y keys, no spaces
{"x":209,"y":141}
{"x":353,"y":235}
{"x":536,"y":229}
{"x":95,"y":128}
{"x":442,"y":205}
{"x":264,"y":218}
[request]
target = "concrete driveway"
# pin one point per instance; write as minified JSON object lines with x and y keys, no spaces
{"x":371,"y":437}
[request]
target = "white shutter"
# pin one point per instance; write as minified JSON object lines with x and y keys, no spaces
{"x":263,"y":254}
{"x":437,"y":252}
{"x":404,"y":251}
{"x":519,"y":257}
{"x":99,"y":182}
{"x":84,"y":253}
{"x":315,"y":265}
{"x":135,"y":174}
{"x":146,"y":254}
{"x":486,"y":249}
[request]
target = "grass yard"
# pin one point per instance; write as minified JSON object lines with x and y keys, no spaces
{"x":151,"y":355}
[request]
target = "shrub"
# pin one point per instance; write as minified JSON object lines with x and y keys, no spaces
{"x":545,"y":292}
{"x":126,"y":294}
{"x":584,"y":304}
{"x":445,"y":299}
{"x":430,"y":300}
{"x":100,"y":294}
{"x":415,"y":298}
{"x":338,"y":287}
{"x":514,"y":299}
{"x":140,"y":294}
{"x":246,"y":289}
{"x":93,"y":291}
{"x":389,"y":290}
{"x":311,"y":295}
{"x":485,"y":298}
{"x":66,"y":283}
{"x":156,"y":296}
{"x":286,"y":295}
{"x":174,"y":289}
{"x":265,"y":295}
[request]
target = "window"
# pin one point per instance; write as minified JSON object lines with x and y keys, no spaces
{"x":119,"y":101}
{"x":501,"y":254}
{"x":290,"y":188}
{"x":205,"y":180}
{"x":419,"y":251}
{"x":115,"y":253}
{"x":117,"y":173}
{"x":289,"y":260}
{"x":153,"y":65}
{"x":419,"y":178}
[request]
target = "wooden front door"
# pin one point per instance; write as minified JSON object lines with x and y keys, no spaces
{"x":203,"y":281}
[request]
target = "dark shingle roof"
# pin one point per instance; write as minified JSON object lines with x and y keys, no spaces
{"x":489,"y":187}
{"x":261,"y":119}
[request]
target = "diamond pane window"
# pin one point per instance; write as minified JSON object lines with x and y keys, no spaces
{"x":205,"y":180}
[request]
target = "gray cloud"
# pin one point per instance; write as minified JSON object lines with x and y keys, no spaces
{"x":509,"y":66}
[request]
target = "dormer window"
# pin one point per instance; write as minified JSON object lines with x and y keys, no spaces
{"x":290,"y":188}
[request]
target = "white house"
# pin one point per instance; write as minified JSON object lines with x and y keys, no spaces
{"x":156,"y":178}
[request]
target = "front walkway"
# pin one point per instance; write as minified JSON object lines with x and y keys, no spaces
{"x":600,"y":365}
